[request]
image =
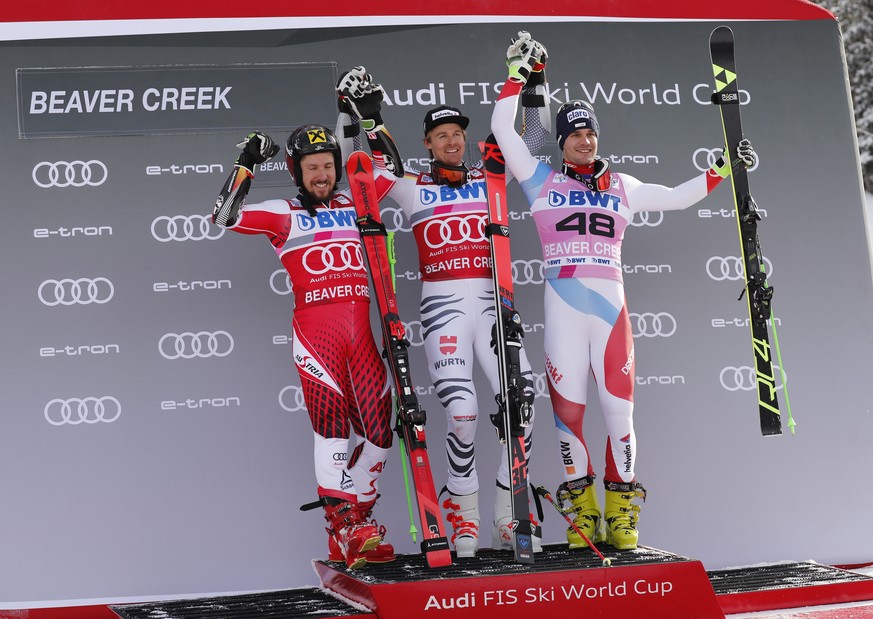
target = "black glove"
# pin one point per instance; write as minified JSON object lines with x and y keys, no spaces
{"x":256,"y":148}
{"x":360,"y":98}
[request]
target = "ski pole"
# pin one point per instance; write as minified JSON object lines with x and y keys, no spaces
{"x":404,"y":464}
{"x":541,"y":490}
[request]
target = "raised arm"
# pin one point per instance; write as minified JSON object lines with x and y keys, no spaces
{"x":525,"y":58}
{"x":256,"y":148}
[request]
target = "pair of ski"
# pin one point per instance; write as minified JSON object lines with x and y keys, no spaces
{"x":513,"y":407}
{"x":758,"y":294}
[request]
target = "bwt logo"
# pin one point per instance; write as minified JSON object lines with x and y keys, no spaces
{"x":649,"y":324}
{"x":82,"y":291}
{"x":528,"y":272}
{"x":76,"y":411}
{"x":77,"y":173}
{"x":743,"y":378}
{"x":202,"y":345}
{"x":185,"y":228}
{"x":730,"y":268}
{"x":705,"y":158}
{"x":291,"y":399}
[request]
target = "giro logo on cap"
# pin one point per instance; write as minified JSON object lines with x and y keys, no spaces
{"x":316,"y":136}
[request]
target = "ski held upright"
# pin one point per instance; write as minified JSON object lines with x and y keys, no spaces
{"x":758,"y":293}
{"x":410,"y":416}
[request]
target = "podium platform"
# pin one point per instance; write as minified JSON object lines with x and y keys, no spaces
{"x":646,"y":582}
{"x":643,"y":583}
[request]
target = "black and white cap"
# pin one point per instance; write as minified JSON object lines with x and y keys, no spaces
{"x":442,"y":115}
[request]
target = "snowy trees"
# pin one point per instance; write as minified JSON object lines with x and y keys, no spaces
{"x":856,"y":24}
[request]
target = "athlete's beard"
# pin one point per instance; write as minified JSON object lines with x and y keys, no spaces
{"x":311,"y":203}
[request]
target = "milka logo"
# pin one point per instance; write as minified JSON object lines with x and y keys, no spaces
{"x":584,"y":198}
{"x":577,"y":114}
{"x":325,"y":219}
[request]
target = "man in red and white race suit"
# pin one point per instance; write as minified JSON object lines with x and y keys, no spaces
{"x":342,"y":374}
{"x":448,"y":211}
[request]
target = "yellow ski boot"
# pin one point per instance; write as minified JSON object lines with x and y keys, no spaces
{"x":621,"y":515}
{"x":584,"y":509}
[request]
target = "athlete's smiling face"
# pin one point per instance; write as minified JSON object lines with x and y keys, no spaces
{"x":319,"y":174}
{"x":580,"y":147}
{"x":447,"y":142}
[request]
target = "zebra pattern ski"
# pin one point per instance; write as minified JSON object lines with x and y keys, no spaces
{"x":514,"y":409}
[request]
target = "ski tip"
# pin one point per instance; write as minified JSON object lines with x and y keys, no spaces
{"x":439,"y":558}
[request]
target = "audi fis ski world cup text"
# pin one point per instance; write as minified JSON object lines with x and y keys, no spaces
{"x":548,"y":594}
{"x":486,"y":93}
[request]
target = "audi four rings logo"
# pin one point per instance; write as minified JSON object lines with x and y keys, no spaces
{"x":291,"y":399}
{"x":185,"y":228}
{"x":705,"y":158}
{"x":528,"y":272}
{"x":647,"y":218}
{"x":189,"y":345}
{"x":77,"y":173}
{"x":730,"y":268}
{"x":82,"y":291}
{"x":454,"y":231}
{"x":743,"y":378}
{"x":414,"y":332}
{"x":75,"y":411}
{"x":394,"y":219}
{"x":649,"y":324}
{"x":280,"y":282}
{"x":335,"y":257}
{"x":540,"y":385}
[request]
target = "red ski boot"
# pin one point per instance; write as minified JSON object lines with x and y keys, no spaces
{"x":352,"y":536}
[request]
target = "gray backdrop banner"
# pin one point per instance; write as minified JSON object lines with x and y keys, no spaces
{"x":153,"y":438}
